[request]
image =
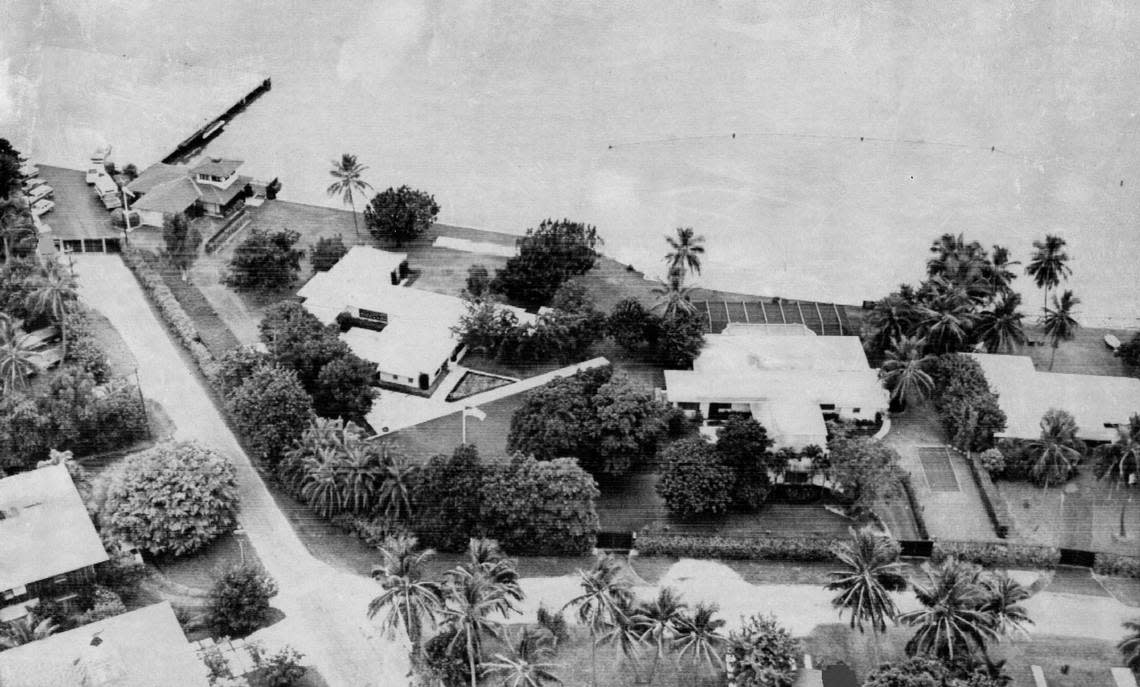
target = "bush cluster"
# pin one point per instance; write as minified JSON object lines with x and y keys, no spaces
{"x":1117,"y":565}
{"x":734,"y":548}
{"x":998,"y":555}
{"x":239,"y":600}
{"x":966,"y":406}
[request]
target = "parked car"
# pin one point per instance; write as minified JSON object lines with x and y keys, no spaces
{"x":29,"y":184}
{"x":42,"y":207}
{"x":39,"y":192}
{"x":28,"y":170}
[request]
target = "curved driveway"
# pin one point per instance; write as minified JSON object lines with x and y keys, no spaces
{"x":324,"y":607}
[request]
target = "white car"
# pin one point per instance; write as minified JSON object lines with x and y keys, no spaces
{"x":42,"y":207}
{"x":29,"y":184}
{"x":28,"y":170}
{"x":39,"y":193}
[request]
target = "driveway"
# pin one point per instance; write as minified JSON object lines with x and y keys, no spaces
{"x":325,"y":608}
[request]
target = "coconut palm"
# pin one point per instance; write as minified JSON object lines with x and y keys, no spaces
{"x":25,"y":630}
{"x":1130,"y":646}
{"x":871,"y":569}
{"x":1049,"y":264}
{"x":904,"y":371}
{"x":408,"y":600}
{"x":18,"y":357}
{"x":348,"y":171}
{"x":1058,"y":450}
{"x":673,"y":295}
{"x":54,"y":295}
{"x":603,"y":594}
{"x":485,"y":555}
{"x":893,"y":317}
{"x":946,"y":316}
{"x":1059,"y":323}
{"x":622,"y":631}
{"x":965,"y":265}
{"x":1003,"y":602}
{"x":698,"y":634}
{"x":361,"y":471}
{"x":394,"y":491}
{"x":527,"y":663}
{"x":1120,"y":461}
{"x":1000,"y":328}
{"x":951,"y":624}
{"x":470,"y":600}
{"x":685,"y":251}
{"x":656,"y":621}
{"x":1001,"y":276}
{"x":322,"y":486}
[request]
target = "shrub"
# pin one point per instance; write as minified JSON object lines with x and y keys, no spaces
{"x":1117,"y":565}
{"x":631,"y":325}
{"x":327,"y":252}
{"x":548,"y":256}
{"x":173,"y":498}
{"x":998,"y":555}
{"x":107,"y":604}
{"x":478,"y":281}
{"x":237,"y":365}
{"x":400,"y":214}
{"x":282,"y":669}
{"x":271,"y":410}
{"x":694,"y":481}
{"x":1130,"y":351}
{"x":992,"y":461}
{"x":737,"y":548}
{"x":239,"y":600}
{"x":766,"y":654}
{"x":373,"y":530}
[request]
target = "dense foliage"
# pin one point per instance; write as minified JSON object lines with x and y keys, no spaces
{"x":742,"y":445}
{"x":239,"y":600}
{"x":181,"y":240}
{"x":864,"y":469}
{"x":548,"y":256}
{"x":680,"y":338}
{"x":171,"y":499}
{"x":270,"y":409}
{"x":447,"y":499}
{"x":632,"y":326}
{"x":1130,"y":351}
{"x":400,"y":214}
{"x":265,"y":260}
{"x":326,"y":252}
{"x":765,"y":653}
{"x":478,"y":282}
{"x":693,"y":480}
{"x":966,"y":406}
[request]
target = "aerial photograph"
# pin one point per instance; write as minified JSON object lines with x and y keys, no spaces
{"x":691,"y":343}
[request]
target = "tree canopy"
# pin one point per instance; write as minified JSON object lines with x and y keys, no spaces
{"x":400,"y":214}
{"x":181,"y":239}
{"x":239,"y":600}
{"x":271,"y":410}
{"x":693,"y":480}
{"x":265,"y":260}
{"x":548,"y":256}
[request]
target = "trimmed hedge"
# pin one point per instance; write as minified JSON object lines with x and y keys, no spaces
{"x":912,"y":500}
{"x":998,"y":554}
{"x":1117,"y":565}
{"x":991,"y":499}
{"x":737,"y":548}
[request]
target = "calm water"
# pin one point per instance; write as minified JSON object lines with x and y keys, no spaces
{"x":624,"y":117}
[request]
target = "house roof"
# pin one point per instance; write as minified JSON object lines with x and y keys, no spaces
{"x":848,"y":388}
{"x":216,"y":166}
{"x":741,"y":348}
{"x":158,"y":173}
{"x":137,"y":649}
{"x":1025,"y":394}
{"x":177,"y":195}
{"x":45,"y":530}
{"x":792,"y":421}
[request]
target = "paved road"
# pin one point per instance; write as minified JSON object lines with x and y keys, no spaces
{"x":324,"y":607}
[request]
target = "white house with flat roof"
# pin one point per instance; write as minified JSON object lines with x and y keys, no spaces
{"x":405,"y":331}
{"x":48,"y":546}
{"x":1098,"y":403}
{"x":789,"y":383}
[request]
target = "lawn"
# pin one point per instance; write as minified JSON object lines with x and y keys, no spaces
{"x":215,"y":334}
{"x":119,"y":357}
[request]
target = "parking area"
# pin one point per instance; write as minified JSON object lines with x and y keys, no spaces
{"x":79,"y":222}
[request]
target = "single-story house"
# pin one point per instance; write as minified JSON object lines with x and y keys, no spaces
{"x":405,"y":331}
{"x":48,"y":546}
{"x":791,"y":384}
{"x":141,"y":648}
{"x":1098,"y":403}
{"x":212,"y":187}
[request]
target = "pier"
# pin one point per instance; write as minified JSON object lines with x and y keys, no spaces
{"x":191,"y":145}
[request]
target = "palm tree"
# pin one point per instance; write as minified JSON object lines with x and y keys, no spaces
{"x":946,"y":316}
{"x":871,"y":569}
{"x":361,"y":472}
{"x":527,"y":663}
{"x":470,"y":599}
{"x":1003,"y":603}
{"x":685,"y":251}
{"x":322,"y":486}
{"x":485,"y":555}
{"x":904,"y":371}
{"x":394,"y":496}
{"x":1000,"y":328}
{"x":1058,"y":450}
{"x":25,"y":630}
{"x":603,"y":594}
{"x":622,"y":631}
{"x":18,"y":357}
{"x":54,"y":295}
{"x":1120,"y":461}
{"x":347,"y":172}
{"x":1001,"y":276}
{"x":1049,"y":264}
{"x":965,"y":265}
{"x":1059,"y":323}
{"x":1130,"y":645}
{"x":698,"y":634}
{"x":951,"y":623}
{"x":408,"y":599}
{"x":893,"y":317}
{"x":673,"y":294}
{"x":16,"y":226}
{"x":657,"y":620}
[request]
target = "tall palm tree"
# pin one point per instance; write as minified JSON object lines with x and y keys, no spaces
{"x":951,"y":624}
{"x":25,"y":630}
{"x":699,"y":636}
{"x":965,"y":265}
{"x":1003,"y":602}
{"x":1120,"y":461}
{"x":685,"y":251}
{"x":1049,"y":264}
{"x":1059,"y":323}
{"x":18,"y":357}
{"x":621,"y":630}
{"x":470,"y":601}
{"x":946,"y":322}
{"x":1130,"y":646}
{"x":904,"y":371}
{"x":527,"y":664}
{"x":1000,"y":328}
{"x":1058,"y":450}
{"x":484,"y":554}
{"x":348,"y":172}
{"x":871,"y":570}
{"x":657,"y":621}
{"x":673,"y":295}
{"x":54,"y":295}
{"x":408,"y":600}
{"x":893,"y":317}
{"x":603,"y":593}
{"x":1001,"y":276}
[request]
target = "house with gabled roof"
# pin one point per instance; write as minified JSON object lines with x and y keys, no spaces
{"x":211,"y":187}
{"x":48,"y":546}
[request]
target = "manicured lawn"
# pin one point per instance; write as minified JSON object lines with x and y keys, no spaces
{"x":199,"y":570}
{"x":215,"y":334}
{"x":107,"y":338}
{"x":442,"y":435}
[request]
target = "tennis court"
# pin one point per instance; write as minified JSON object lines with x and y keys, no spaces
{"x":938,"y":469}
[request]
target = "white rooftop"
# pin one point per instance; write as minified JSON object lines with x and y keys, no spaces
{"x":854,"y":388}
{"x":141,"y":648}
{"x":1024,"y":394}
{"x":793,"y":422}
{"x":742,"y":349}
{"x":45,"y":530}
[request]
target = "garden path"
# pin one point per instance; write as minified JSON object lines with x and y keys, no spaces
{"x":324,"y":607}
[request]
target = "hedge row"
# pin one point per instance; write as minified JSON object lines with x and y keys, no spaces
{"x":912,"y":500}
{"x":998,"y":555}
{"x":991,"y":499}
{"x":171,"y":311}
{"x":1117,"y":565}
{"x":737,"y":548}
